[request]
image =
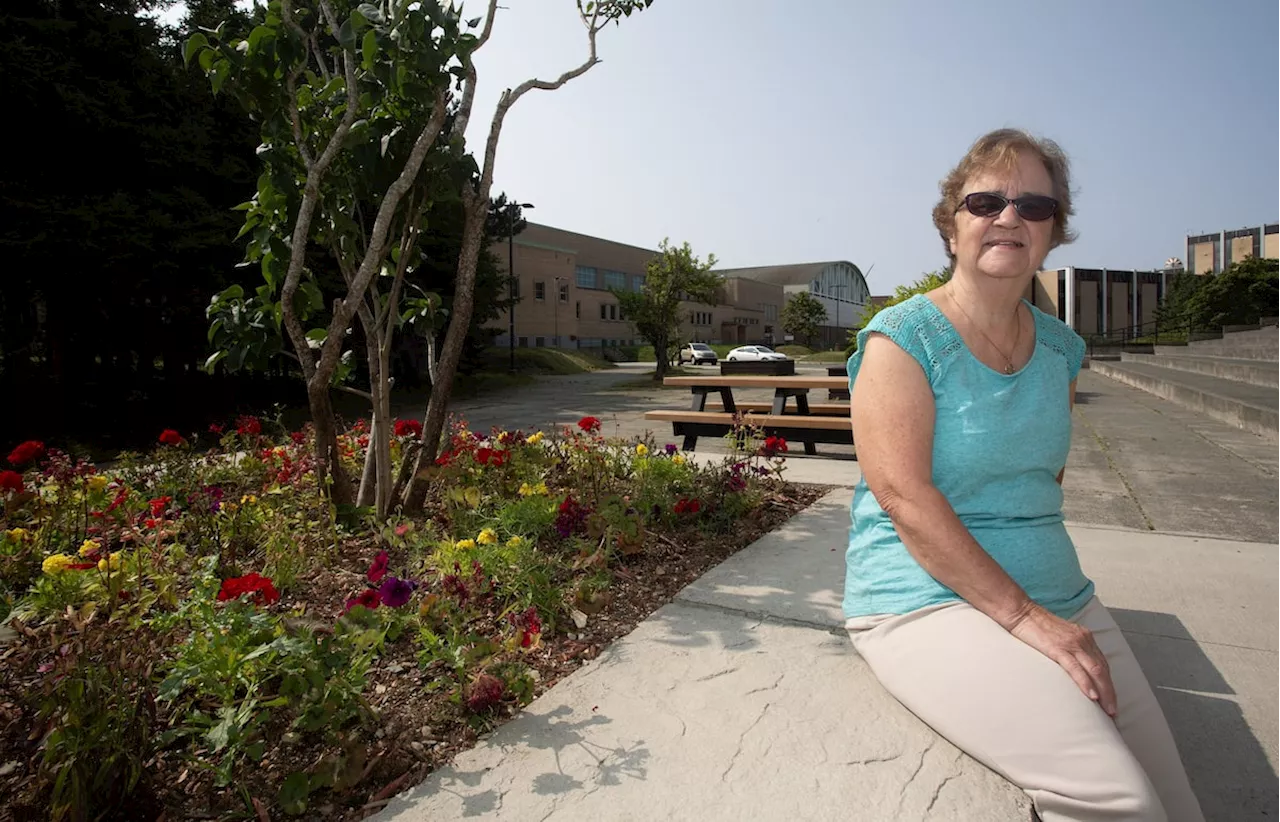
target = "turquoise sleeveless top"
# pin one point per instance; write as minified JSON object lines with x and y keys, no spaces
{"x":999,"y":442}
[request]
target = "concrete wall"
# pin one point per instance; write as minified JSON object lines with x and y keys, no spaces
{"x":1202,"y":261}
{"x":1240,"y":247}
{"x":1044,"y":292}
{"x":1149,"y":303}
{"x":1271,"y":246}
{"x":1119,"y":306}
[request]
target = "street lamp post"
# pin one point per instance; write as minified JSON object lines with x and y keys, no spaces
{"x":511,"y":280}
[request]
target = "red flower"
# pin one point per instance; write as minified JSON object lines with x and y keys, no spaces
{"x":81,"y":566}
{"x":492,"y":456}
{"x":361,"y":427}
{"x":248,"y":426}
{"x":408,"y":428}
{"x":298,"y":437}
{"x":121,"y":496}
{"x":11,"y":481}
{"x":29,"y":451}
{"x":159,"y":505}
{"x":774,"y":445}
{"x":485,"y":692}
{"x":368,"y":598}
{"x":363,"y":440}
{"x":170,"y":437}
{"x":378,"y":569}
{"x":589,"y":424}
{"x":216,"y":429}
{"x":264,"y":593}
{"x":688,"y":506}
{"x":529,"y":625}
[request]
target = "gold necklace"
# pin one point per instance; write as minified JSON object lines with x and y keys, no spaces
{"x":1017,"y":315}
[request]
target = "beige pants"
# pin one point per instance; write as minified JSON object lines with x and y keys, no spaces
{"x":1016,"y":711}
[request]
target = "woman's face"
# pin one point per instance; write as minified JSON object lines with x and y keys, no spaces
{"x":1004,"y":246}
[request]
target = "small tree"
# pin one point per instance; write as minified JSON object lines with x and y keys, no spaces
{"x":802,"y":315}
{"x":674,"y":276}
{"x":1241,"y":295}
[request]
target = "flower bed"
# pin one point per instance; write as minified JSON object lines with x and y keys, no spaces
{"x":199,"y":633}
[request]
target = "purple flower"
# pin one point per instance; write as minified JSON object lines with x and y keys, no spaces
{"x":395,"y":592}
{"x":670,"y":448}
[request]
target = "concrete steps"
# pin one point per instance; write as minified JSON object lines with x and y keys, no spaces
{"x":1250,"y":407}
{"x":1252,"y":371}
{"x":1256,"y":344}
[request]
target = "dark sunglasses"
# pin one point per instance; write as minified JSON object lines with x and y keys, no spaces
{"x":1033,"y":207}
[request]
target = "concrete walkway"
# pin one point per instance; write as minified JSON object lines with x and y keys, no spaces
{"x":743,"y":698}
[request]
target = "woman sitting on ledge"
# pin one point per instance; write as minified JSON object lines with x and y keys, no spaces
{"x":964,"y":592}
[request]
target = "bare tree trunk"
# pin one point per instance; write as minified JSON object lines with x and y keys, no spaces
{"x":328,"y":457}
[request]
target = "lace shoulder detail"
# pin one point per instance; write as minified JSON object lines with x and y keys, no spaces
{"x":1053,"y":334}
{"x":917,"y":327}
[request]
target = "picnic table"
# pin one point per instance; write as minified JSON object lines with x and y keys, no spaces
{"x":789,"y":416}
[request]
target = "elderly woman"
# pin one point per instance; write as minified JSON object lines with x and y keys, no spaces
{"x":964,"y":592}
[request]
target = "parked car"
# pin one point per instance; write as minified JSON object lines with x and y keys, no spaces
{"x":755,"y":353}
{"x":698,"y":354}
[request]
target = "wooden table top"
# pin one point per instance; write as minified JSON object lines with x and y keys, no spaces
{"x":762,"y":381}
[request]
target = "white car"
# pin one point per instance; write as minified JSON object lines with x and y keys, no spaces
{"x":755,"y":353}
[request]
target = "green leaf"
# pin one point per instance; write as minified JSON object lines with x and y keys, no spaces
{"x":347,"y":36}
{"x":196,"y":42}
{"x":257,"y":36}
{"x":214,"y":359}
{"x":206,"y":59}
{"x":369,"y":48}
{"x":318,"y":335}
{"x":293,"y":793}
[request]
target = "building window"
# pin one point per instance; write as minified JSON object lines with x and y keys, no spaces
{"x":637,"y":283}
{"x":564,"y":292}
{"x":701,"y":318}
{"x":539,"y":291}
{"x":613,"y":311}
{"x":615,"y":280}
{"x":539,"y":342}
{"x":514,"y":285}
{"x":604,"y":311}
{"x":586,"y":276}
{"x":524,"y":342}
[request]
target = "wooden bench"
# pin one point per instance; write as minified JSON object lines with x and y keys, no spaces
{"x":817,"y":409}
{"x":801,"y":425}
{"x":791,"y":427}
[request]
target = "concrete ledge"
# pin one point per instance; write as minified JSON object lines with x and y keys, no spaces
{"x":1254,"y":372}
{"x":1189,"y":392}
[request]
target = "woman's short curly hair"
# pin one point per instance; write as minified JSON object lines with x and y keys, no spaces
{"x":999,"y":150}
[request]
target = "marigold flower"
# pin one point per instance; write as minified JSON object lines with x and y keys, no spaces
{"x":642,"y":449}
{"x":488,"y":536}
{"x":466,"y":544}
{"x":679,"y":459}
{"x":535,"y":438}
{"x":90,"y":547}
{"x":112,"y":565}
{"x":56,"y":564}
{"x":515,"y":542}
{"x":26,"y":452}
{"x":97,"y":482}
{"x":248,"y":499}
{"x":16,"y":534}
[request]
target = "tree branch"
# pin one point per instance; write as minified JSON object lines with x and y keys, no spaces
{"x":310,"y":194}
{"x":376,"y":249}
{"x":469,"y":68}
{"x":290,"y":85}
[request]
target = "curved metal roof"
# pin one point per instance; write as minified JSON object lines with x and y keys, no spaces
{"x":798,"y":274}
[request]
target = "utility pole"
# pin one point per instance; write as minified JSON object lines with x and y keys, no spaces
{"x":511,"y":281}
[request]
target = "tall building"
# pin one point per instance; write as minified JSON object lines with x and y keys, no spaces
{"x":1100,"y":300}
{"x":565,"y":283}
{"x":1212,"y":253}
{"x":839,"y":285}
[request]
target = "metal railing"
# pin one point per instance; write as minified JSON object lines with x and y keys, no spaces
{"x":1156,"y":332}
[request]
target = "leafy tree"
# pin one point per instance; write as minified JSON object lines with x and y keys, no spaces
{"x":902,"y":293}
{"x":361,"y":136}
{"x":802,"y":314}
{"x":675,"y":276}
{"x":1242,"y":294}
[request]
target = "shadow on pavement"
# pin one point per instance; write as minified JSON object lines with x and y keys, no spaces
{"x":1228,"y":767}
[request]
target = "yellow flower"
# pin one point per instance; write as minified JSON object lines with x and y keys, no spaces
{"x":535,"y":438}
{"x":114,"y":565}
{"x":526,"y":490}
{"x":97,"y":482}
{"x":466,"y":544}
{"x":678,"y":459}
{"x":90,"y":546}
{"x":642,"y":449}
{"x":55,"y":564}
{"x":248,"y":499}
{"x":16,"y":534}
{"x":487,"y":537}
{"x":515,"y":542}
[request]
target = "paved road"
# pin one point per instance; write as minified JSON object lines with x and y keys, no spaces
{"x":1136,"y":461}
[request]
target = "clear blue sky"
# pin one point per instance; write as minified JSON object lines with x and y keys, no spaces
{"x":779,"y":132}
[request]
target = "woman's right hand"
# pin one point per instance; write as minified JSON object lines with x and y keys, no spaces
{"x":1072,"y":647}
